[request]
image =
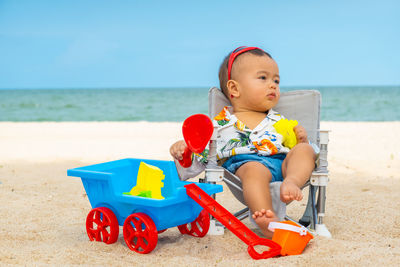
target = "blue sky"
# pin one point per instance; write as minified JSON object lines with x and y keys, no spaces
{"x":91,"y":44}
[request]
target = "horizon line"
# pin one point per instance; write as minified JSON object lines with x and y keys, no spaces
{"x":185,"y":87}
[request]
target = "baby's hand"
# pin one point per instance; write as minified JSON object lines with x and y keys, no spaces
{"x":301,"y":134}
{"x":177,"y":149}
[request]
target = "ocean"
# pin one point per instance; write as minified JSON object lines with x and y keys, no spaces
{"x":176,"y":104}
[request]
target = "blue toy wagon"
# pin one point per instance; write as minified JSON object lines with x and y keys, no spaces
{"x":142,"y":218}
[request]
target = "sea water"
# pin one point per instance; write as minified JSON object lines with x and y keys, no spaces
{"x":377,"y":103}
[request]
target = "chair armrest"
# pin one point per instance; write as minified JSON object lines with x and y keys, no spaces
{"x":323,"y":137}
{"x":322,"y":164}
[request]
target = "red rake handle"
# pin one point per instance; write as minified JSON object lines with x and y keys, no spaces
{"x":272,"y":252}
{"x":233,"y":224}
{"x":186,"y":160}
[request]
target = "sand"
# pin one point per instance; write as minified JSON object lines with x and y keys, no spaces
{"x":43,"y":211}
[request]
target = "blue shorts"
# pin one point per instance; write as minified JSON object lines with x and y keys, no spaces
{"x":273,"y":163}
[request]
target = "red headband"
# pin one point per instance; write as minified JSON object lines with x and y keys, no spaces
{"x":235,"y":53}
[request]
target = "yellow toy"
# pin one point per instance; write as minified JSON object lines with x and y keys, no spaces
{"x":148,"y":182}
{"x":285,"y":128}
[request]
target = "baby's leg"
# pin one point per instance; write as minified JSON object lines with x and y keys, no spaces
{"x":296,"y":170}
{"x":255,"y":179}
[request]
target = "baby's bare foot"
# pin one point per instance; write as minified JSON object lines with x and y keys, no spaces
{"x":290,"y":191}
{"x":263,"y":218}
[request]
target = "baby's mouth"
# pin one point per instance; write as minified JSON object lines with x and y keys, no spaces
{"x":271,"y":95}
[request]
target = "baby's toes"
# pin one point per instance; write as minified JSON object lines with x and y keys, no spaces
{"x":298,"y":195}
{"x":270,"y":214}
{"x":284,"y":197}
{"x":263,"y":212}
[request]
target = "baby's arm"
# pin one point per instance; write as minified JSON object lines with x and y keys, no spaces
{"x":301,"y":134}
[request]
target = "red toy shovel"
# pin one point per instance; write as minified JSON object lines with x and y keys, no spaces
{"x":197,"y":131}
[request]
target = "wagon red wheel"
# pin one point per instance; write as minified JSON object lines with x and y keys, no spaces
{"x":102,"y":225}
{"x":198,"y":227}
{"x":140,"y":233}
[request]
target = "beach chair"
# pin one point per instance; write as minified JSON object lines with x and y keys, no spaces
{"x":303,"y":106}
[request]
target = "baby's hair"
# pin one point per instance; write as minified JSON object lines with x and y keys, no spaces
{"x":223,"y":69}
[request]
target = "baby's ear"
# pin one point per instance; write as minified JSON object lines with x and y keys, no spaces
{"x":233,"y":89}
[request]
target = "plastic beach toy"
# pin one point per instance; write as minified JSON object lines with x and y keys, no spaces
{"x":142,"y":219}
{"x":285,"y":128}
{"x":292,"y":237}
{"x":234,"y":225}
{"x":149,"y":182}
{"x":197,"y":131}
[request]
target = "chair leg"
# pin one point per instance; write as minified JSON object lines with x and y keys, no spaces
{"x":216,"y":228}
{"x":320,"y":227}
{"x":321,"y":203}
{"x":309,"y":217}
{"x":242,"y":214}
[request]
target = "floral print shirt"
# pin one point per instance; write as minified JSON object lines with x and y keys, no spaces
{"x":234,"y":137}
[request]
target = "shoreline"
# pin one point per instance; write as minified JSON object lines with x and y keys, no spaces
{"x":34,"y":141}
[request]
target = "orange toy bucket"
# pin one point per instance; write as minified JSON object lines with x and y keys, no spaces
{"x":292,"y":237}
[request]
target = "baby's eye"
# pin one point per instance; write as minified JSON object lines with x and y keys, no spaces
{"x":276,"y":81}
{"x":263,"y":77}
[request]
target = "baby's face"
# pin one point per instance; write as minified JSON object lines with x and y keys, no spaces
{"x":258,"y":82}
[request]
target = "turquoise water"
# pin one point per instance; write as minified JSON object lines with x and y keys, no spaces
{"x":175,"y":104}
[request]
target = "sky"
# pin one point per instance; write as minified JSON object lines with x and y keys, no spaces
{"x":124,"y":44}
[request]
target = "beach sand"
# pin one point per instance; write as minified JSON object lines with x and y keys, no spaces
{"x":43,"y":211}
